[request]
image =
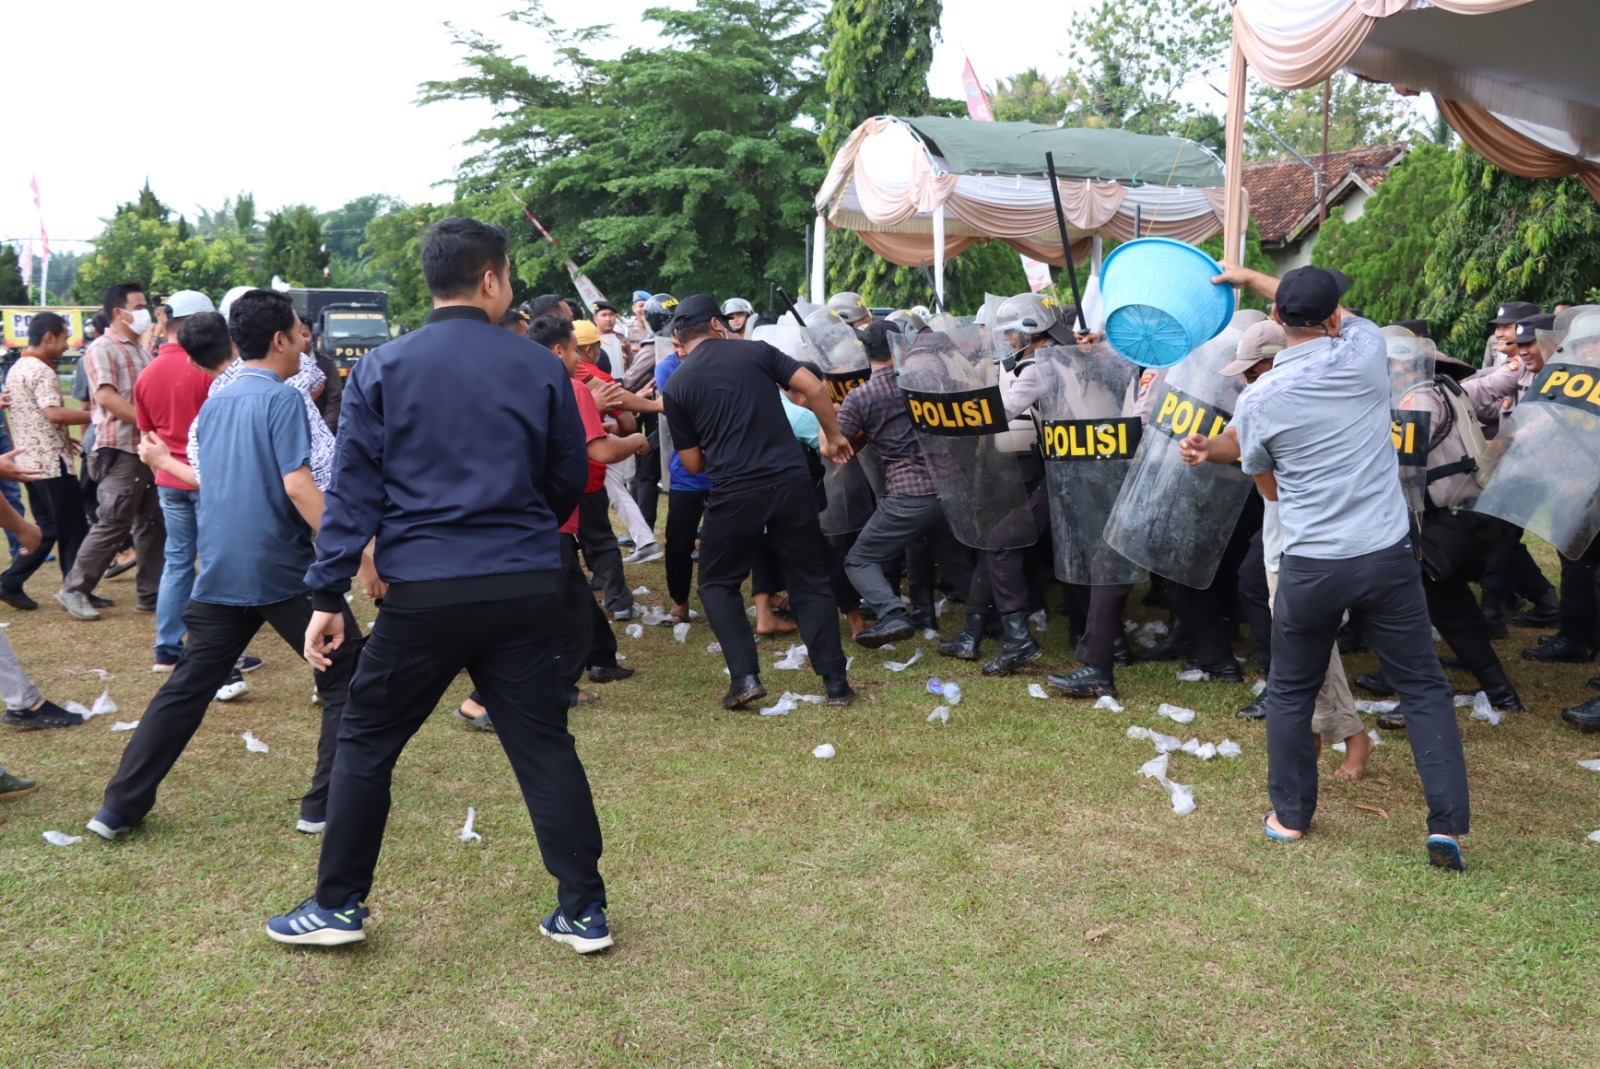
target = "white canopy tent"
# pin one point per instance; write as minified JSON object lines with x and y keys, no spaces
{"x":919,"y":191}
{"x":1515,"y":78}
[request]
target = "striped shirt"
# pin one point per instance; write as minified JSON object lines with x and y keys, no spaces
{"x":110,"y":361}
{"x":877,"y":409}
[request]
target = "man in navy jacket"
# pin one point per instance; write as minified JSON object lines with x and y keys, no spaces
{"x":460,"y":450}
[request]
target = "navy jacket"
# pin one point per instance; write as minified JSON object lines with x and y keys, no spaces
{"x":461,"y":450}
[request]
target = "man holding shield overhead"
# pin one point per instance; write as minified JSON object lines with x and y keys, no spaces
{"x":1315,"y":435}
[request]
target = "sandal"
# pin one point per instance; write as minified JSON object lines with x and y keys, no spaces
{"x":1444,"y":852}
{"x":1278,"y":837}
{"x":678,"y":616}
{"x":480,"y":722}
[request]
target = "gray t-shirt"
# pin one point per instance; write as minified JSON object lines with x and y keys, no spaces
{"x":1319,"y":421}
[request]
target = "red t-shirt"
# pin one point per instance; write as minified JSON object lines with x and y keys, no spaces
{"x":166,"y":399}
{"x":593,"y":430}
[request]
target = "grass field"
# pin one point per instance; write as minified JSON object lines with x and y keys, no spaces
{"x":1002,"y":890}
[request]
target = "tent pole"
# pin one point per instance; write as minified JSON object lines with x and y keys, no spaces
{"x":1234,"y":221}
{"x":819,"y":262}
{"x":938,"y":255}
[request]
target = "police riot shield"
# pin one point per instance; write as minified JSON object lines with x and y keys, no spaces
{"x":840,"y":354}
{"x":1170,"y":518}
{"x":1410,"y":422}
{"x":1547,"y":472}
{"x":1088,"y":448}
{"x":952,"y":395}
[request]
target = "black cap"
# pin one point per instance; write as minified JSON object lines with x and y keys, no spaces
{"x":695,"y":310}
{"x":605,"y":305}
{"x":1513,"y":312}
{"x":1309,"y":295}
{"x":1526,"y":327}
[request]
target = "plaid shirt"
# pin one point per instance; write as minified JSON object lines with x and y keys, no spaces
{"x":877,"y":409}
{"x":110,"y":361}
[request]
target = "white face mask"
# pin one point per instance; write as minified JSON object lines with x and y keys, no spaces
{"x":141,"y":320}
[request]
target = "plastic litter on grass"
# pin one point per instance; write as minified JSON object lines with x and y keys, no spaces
{"x":634,"y":631}
{"x":1483,"y":710}
{"x":941,"y":715}
{"x":901,"y":666}
{"x":824,"y":751}
{"x":1036,"y":691}
{"x":56,"y":838}
{"x":124,"y":725}
{"x":680,"y":632}
{"x":253,"y":744}
{"x":793,"y":658}
{"x":1175,"y":712}
{"x":467,"y":834}
{"x":1105,"y":701}
{"x":950,"y":691}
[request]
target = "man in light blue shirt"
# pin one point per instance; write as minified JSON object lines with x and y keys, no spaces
{"x":1314,"y":433}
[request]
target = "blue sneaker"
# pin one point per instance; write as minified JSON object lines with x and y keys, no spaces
{"x":309,"y":924}
{"x":108,"y":825}
{"x":248,"y":664}
{"x":586,"y":935}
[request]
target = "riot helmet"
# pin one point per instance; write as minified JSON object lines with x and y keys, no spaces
{"x":658,"y":312}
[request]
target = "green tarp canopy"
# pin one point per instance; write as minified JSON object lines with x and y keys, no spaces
{"x":1098,"y":155}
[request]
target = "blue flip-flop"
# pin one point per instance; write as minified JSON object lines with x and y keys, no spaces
{"x":1445,"y":853}
{"x":1277,"y":837}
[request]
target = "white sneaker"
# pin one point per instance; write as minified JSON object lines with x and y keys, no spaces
{"x":309,"y":827}
{"x":645,"y":554}
{"x":233,"y":688}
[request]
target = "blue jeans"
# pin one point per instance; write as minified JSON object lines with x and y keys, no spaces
{"x":12,"y":492}
{"x":177,"y":577}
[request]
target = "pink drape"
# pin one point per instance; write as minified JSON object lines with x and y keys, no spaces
{"x":1511,"y":151}
{"x":1293,"y":61}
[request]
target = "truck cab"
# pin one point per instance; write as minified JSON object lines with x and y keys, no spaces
{"x":345,"y":324}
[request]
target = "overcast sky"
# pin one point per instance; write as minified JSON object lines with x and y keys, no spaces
{"x":301,"y":101}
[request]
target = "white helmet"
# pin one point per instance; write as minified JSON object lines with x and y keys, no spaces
{"x":231,"y":296}
{"x":849,"y":307}
{"x":1028,"y":314}
{"x":737,"y":306}
{"x":909,"y":323}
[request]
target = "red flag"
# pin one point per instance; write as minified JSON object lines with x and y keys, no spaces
{"x":35,"y":184}
{"x":977,"y":103}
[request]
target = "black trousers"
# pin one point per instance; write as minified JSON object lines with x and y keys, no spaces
{"x":1102,"y":625}
{"x":57,"y":507}
{"x":1255,"y":609}
{"x":1383,"y":592}
{"x":1457,"y":547}
{"x":1000,"y":581}
{"x":510,"y":648}
{"x":599,"y":544}
{"x":218,"y":634}
{"x":1201,"y":612}
{"x":1512,"y":569}
{"x":647,"y":471}
{"x":1579,"y":611}
{"x":734,"y":522}
{"x":684,"y":511}
{"x":844,"y":594}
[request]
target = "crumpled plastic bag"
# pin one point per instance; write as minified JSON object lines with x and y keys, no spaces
{"x":901,"y":666}
{"x":1464,"y":700}
{"x":467,"y":834}
{"x":1376,"y":707}
{"x":1106,"y":701}
{"x":793,"y":658}
{"x":715,"y":647}
{"x":824,"y":751}
{"x":1181,"y":794}
{"x":654,"y":617}
{"x":56,"y":838}
{"x":100,"y":673}
{"x":1040,"y":621}
{"x":1228,"y":748}
{"x":1193,"y":675}
{"x":1163,"y":743}
{"x":940,"y":715}
{"x":1150,"y":635}
{"x":1594,"y":837}
{"x":1130,"y":625}
{"x":1259,"y":688}
{"x":1175,"y":712}
{"x":938,"y":608}
{"x":929,"y":634}
{"x":1593,"y":764}
{"x":641,"y":591}
{"x":125,"y":725}
{"x":253,"y":744}
{"x":79,"y":708}
{"x":680,"y":632}
{"x":1036,"y":691}
{"x":951,"y":692}
{"x":1203,"y":750}
{"x":1377,"y":740}
{"x":1483,"y":710}
{"x":789,"y":702}
{"x":634,"y":631}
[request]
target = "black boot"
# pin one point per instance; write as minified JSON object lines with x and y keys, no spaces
{"x":922,"y":615}
{"x":741,"y":690}
{"x":965,"y":645}
{"x":1563,"y":649}
{"x":1502,"y":695}
{"x":1546,"y":611}
{"x":1226,"y":672}
{"x":1121,"y":653}
{"x":1374,"y":683}
{"x":1585,"y":716}
{"x":1020,"y":648}
{"x":1494,"y":613}
{"x":839,"y":690}
{"x":1086,"y":682}
{"x":891,"y":628}
{"x":1256,"y":710}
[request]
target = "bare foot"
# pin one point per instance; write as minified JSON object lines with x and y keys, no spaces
{"x":1358,"y":748}
{"x":769,"y":624}
{"x":1272,"y":822}
{"x":857,"y":624}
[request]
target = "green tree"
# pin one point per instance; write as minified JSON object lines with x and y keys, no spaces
{"x":294,"y":250}
{"x":1385,"y":252}
{"x":1138,"y":58}
{"x":394,"y":249}
{"x":345,"y":228}
{"x":1031,"y":97}
{"x":1359,"y":114}
{"x":143,"y":243}
{"x":1506,"y":238}
{"x":686,"y":165}
{"x":12,"y":291}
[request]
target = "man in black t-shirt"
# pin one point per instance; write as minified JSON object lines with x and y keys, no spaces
{"x":726,"y":419}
